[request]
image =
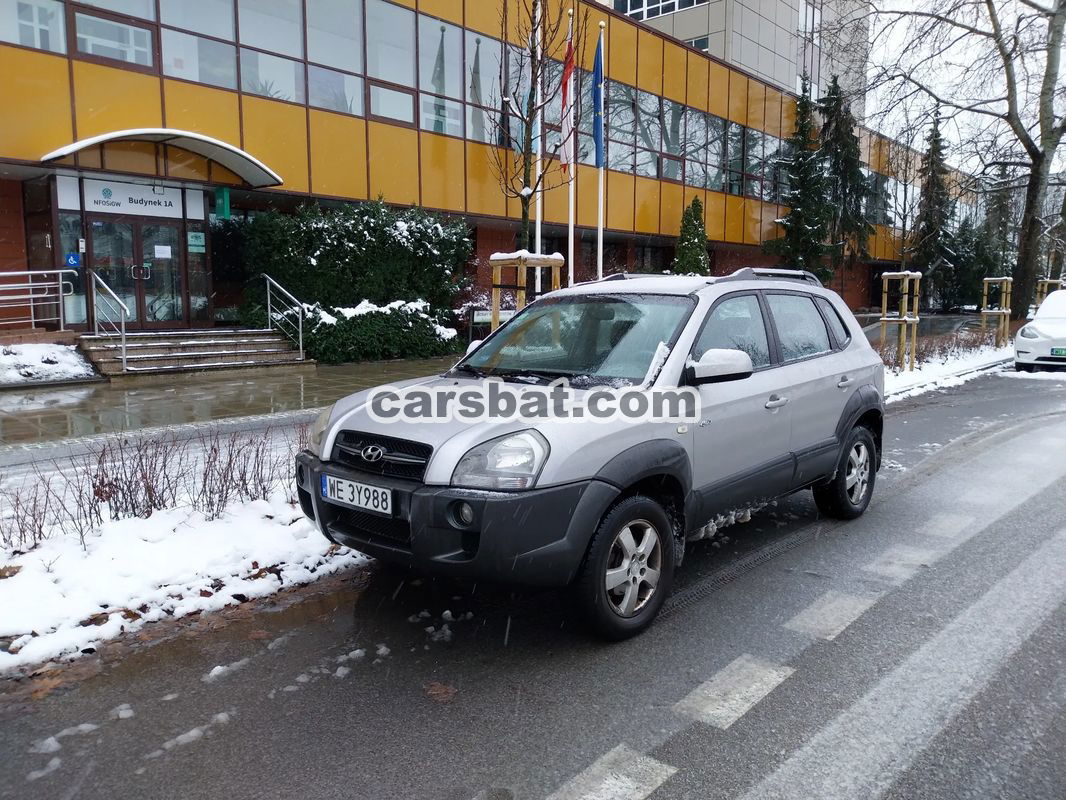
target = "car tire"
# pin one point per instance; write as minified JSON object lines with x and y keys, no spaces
{"x":614,"y":592}
{"x":848,"y":493}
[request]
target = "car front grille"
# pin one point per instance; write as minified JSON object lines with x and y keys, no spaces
{"x":1052,"y":359}
{"x":371,"y":527}
{"x":399,"y":458}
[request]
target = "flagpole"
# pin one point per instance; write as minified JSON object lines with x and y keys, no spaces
{"x":600,"y":193}
{"x":537,"y":131}
{"x":572,"y":166}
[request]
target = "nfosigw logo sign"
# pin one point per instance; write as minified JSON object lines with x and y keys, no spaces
{"x":112,"y":197}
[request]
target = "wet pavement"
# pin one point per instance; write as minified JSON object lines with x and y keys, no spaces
{"x":39,"y":415}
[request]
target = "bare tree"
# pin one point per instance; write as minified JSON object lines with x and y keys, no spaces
{"x":994,"y":67}
{"x":541,"y":27}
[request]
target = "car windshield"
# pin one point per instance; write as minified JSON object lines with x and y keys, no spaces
{"x":591,"y":339}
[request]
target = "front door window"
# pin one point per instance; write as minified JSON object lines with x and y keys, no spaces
{"x":113,"y":260}
{"x":160,"y":273}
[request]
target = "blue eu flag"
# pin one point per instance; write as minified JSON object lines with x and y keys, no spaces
{"x":597,"y":103}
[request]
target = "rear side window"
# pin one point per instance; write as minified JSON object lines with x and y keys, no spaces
{"x":736,"y":324}
{"x":836,"y":324}
{"x":800,"y":328}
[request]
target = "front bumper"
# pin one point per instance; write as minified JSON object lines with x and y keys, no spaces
{"x":1038,"y":351}
{"x":535,"y":537}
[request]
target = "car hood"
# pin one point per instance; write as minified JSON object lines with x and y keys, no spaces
{"x":1051,"y":328}
{"x":577,"y":449}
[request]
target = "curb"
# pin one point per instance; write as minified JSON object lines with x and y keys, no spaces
{"x":958,"y":374}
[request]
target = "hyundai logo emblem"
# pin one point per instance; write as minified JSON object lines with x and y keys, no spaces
{"x":372,"y":453}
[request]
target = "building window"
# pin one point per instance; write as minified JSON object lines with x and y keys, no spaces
{"x":441,"y":116}
{"x":272,"y":76}
{"x":145,"y":9}
{"x":440,"y":57}
{"x":209,"y":17}
{"x":34,"y":23}
{"x":390,"y":43}
{"x":701,"y":43}
{"x":650,"y":9}
{"x":334,"y":91}
{"x":272,"y":25}
{"x":393,"y":104}
{"x":197,"y":59}
{"x":335,"y":33}
{"x":109,"y":39}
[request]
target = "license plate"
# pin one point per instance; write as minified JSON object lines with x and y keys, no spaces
{"x":357,"y":495}
{"x":1058,"y":351}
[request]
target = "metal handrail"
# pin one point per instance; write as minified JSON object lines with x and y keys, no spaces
{"x":35,"y":293}
{"x":118,"y":327}
{"x":275,"y":321}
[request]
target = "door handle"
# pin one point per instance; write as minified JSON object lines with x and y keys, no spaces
{"x":146,"y":273}
{"x":775,"y":402}
{"x":133,"y":272}
{"x":845,"y":382}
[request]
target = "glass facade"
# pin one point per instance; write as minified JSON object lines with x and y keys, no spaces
{"x":34,"y":23}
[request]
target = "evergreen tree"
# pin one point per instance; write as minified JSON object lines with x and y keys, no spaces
{"x":848,"y":188}
{"x":806,"y":223}
{"x":692,"y":244}
{"x":974,"y":260}
{"x":931,"y":246}
{"x":998,"y":223}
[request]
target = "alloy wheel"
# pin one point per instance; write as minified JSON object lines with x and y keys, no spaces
{"x":857,"y":476}
{"x":633,"y":568}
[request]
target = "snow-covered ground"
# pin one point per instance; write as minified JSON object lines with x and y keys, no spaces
{"x":952,"y":371}
{"x":35,"y":363}
{"x":62,"y":600}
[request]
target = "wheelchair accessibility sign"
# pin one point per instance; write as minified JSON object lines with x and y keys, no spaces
{"x":73,"y":259}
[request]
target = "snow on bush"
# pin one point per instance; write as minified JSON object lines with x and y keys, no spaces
{"x":34,"y":363}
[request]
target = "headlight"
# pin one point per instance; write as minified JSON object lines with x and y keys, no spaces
{"x":318,"y":430}
{"x":509,"y":462}
{"x":1028,"y":333}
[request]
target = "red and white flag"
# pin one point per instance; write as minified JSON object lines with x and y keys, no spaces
{"x":567,"y":150}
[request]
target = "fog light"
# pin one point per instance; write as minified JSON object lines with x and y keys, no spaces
{"x":464,"y":512}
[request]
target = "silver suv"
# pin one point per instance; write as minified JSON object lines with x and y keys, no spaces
{"x":791,"y":397}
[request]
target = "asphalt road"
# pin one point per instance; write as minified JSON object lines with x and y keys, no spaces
{"x":916,"y":652}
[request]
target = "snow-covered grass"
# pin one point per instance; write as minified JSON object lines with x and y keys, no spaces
{"x":63,"y":600}
{"x":37,"y":363}
{"x":952,"y":369}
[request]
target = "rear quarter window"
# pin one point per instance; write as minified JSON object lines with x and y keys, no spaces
{"x":836,"y":324}
{"x":801,"y":331}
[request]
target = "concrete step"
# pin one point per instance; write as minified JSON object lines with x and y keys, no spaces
{"x":98,"y":351}
{"x":147,"y":376}
{"x":183,"y":334}
{"x":112,"y":365}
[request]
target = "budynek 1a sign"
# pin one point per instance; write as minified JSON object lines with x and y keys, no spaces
{"x":112,"y":197}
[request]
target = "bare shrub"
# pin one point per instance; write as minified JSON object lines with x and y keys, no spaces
{"x":140,"y":476}
{"x":939,"y":348}
{"x":30,"y":514}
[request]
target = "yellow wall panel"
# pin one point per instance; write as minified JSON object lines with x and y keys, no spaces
{"x":220,"y":174}
{"x":276,"y":134}
{"x":714,"y":212}
{"x":408,"y":3}
{"x":649,"y":62}
{"x":620,"y":188}
{"x":773,"y":112}
{"x":556,"y":201}
{"x":671,"y":206}
{"x":109,"y":99}
{"x":752,"y":221}
{"x":622,"y":52}
{"x":738,"y":97}
{"x":675,"y":71}
{"x":183,"y":164}
{"x":769,"y":229}
{"x":212,"y":112}
{"x":484,"y":17}
{"x":451,"y":10}
{"x":393,"y":156}
{"x":586,"y":195}
{"x":338,"y":155}
{"x":587,"y":54}
{"x":788,"y":116}
{"x":483,"y":193}
{"x":31,"y":128}
{"x":756,"y":105}
{"x":131,"y":157}
{"x":734,"y":218}
{"x":91,"y":157}
{"x":718,"y":90}
{"x":646,"y":212}
{"x":696,"y":91}
{"x":443,"y":172}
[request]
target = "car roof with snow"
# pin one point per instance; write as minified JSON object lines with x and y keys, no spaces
{"x":1054,"y":306}
{"x":628,"y":283}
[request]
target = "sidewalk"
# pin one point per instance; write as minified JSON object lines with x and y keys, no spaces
{"x":36,"y":415}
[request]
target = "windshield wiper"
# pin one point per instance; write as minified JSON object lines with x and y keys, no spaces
{"x":545,"y":375}
{"x":469,"y":369}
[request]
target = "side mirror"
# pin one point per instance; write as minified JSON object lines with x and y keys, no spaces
{"x":474,"y":345}
{"x":718,"y":366}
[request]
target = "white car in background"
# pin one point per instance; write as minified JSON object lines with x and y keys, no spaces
{"x":1042,"y":342}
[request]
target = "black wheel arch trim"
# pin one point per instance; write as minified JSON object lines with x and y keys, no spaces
{"x":865,"y":399}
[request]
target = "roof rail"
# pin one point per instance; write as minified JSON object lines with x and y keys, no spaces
{"x":755,"y":273}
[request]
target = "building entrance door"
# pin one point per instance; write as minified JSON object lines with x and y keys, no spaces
{"x":142,"y":261}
